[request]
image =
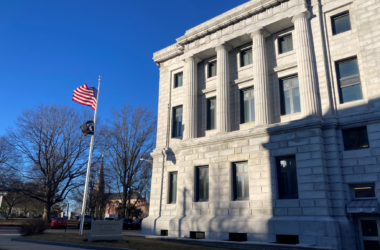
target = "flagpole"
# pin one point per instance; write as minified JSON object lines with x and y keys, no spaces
{"x":89,"y":165}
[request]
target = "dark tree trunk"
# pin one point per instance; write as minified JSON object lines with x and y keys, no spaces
{"x":124,"y":200}
{"x":9,"y":211}
{"x":47,"y":209}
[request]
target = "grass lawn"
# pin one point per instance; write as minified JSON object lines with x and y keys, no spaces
{"x":138,"y":243}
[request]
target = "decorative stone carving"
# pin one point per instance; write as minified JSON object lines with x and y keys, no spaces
{"x":191,"y":92}
{"x":261,"y":79}
{"x":306,"y":68}
{"x":222,"y":88}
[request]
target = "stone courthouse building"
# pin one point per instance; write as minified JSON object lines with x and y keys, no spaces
{"x":269,"y":126}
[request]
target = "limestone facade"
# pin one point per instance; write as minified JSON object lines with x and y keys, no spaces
{"x":326,"y":171}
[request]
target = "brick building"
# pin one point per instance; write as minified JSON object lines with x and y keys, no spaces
{"x":114,"y":202}
{"x":273,"y":127}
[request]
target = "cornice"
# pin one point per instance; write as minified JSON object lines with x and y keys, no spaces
{"x":256,"y":132}
{"x":233,"y":16}
{"x":167,"y":53}
{"x":230,"y":17}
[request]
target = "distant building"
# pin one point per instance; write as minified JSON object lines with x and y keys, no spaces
{"x":273,"y":127}
{"x":114,"y":203}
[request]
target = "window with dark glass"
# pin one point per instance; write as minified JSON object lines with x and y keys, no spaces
{"x":211,"y":113}
{"x":287,"y":178}
{"x":245,"y":57}
{"x":201,"y":184}
{"x":178,"y":80}
{"x":341,"y":23}
{"x":349,"y":80}
{"x":290,"y":95}
{"x":285,"y":44}
{"x":241,"y":181}
{"x":247,"y":106}
{"x":177,"y":121}
{"x":172,"y":187}
{"x":212,"y":69}
{"x":355,"y":138}
{"x":364,"y":191}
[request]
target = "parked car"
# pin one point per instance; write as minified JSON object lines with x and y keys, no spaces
{"x":108,"y":218}
{"x":21,"y":216}
{"x":127,"y":223}
{"x":87,"y":221}
{"x":137,"y":223}
{"x":37,"y":216}
{"x":58,"y":222}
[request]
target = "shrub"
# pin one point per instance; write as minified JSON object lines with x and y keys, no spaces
{"x":30,"y":227}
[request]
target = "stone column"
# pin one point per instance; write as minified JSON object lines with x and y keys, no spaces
{"x":191,"y":92}
{"x":305,"y":63}
{"x":222,"y":88}
{"x":260,"y":78}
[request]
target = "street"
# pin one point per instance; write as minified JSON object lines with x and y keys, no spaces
{"x":7,"y":234}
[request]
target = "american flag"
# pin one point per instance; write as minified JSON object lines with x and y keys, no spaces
{"x":85,"y":96}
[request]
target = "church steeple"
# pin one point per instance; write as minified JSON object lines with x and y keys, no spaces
{"x":99,"y":184}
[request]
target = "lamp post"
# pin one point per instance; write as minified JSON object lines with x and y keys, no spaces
{"x":150,"y":161}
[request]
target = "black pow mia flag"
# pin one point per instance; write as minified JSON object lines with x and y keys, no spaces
{"x":88,"y":128}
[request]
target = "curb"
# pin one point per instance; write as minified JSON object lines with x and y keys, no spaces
{"x":62,"y":244}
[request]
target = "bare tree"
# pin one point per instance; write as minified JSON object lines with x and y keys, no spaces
{"x":130,"y":136}
{"x":54,"y":152}
{"x":6,"y":151}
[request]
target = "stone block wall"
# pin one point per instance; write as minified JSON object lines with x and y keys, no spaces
{"x":325,"y":171}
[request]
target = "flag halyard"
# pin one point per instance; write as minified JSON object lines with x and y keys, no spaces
{"x":85,"y":95}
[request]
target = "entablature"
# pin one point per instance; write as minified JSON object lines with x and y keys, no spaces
{"x":273,"y":15}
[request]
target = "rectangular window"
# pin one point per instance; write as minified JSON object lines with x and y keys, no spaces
{"x":285,"y":44}
{"x":245,"y":57}
{"x":287,"y":239}
{"x":247,"y":106}
{"x":164,"y":233}
{"x":290,"y":95}
{"x":177,"y":121}
{"x":341,"y":23}
{"x":178,"y":80}
{"x":364,"y":191}
{"x":287,"y":178}
{"x":211,"y":113}
{"x":349,"y":80}
{"x":355,"y":138}
{"x":238,"y":236}
{"x":201,"y":184}
{"x":212,"y":69}
{"x":197,"y":235}
{"x":241,"y":181}
{"x":172,"y":187}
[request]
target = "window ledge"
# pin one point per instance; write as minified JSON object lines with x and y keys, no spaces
{"x":247,"y":125}
{"x":241,"y":80}
{"x":292,"y":52}
{"x":211,"y":132}
{"x":210,"y":78}
{"x":177,"y":138}
{"x":340,"y":35}
{"x":245,"y":67}
{"x":351,"y":104}
{"x":292,"y":114}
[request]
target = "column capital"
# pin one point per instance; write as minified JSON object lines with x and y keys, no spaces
{"x":224,"y":46}
{"x":259,"y":31}
{"x":193,"y":58}
{"x":306,"y":14}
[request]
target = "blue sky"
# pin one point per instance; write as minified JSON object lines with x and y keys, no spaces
{"x":49,"y":48}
